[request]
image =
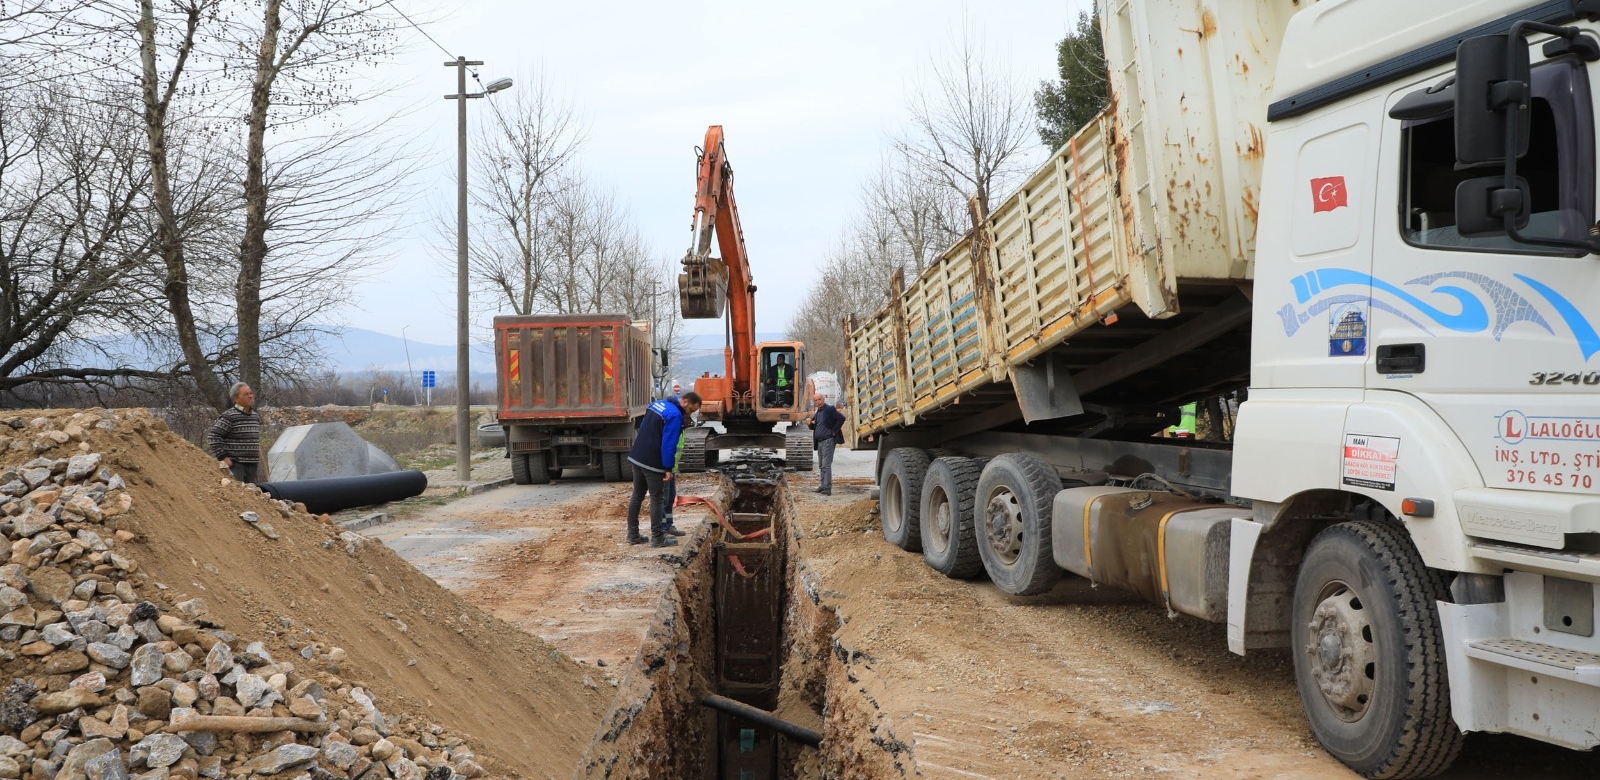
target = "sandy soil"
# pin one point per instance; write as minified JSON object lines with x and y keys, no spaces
{"x":528,"y":709}
{"x":1077,"y":683}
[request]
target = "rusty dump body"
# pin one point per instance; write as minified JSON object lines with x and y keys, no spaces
{"x":571,"y":388}
{"x":1114,"y":284}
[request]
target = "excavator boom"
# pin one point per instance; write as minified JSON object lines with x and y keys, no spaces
{"x":708,"y":285}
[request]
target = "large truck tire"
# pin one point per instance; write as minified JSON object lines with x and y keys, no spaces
{"x":900,"y":497}
{"x":1012,"y":511}
{"x":611,"y":466}
{"x":948,"y":543}
{"x":1369,"y":654}
{"x":529,"y":469}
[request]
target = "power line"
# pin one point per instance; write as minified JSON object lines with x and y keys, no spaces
{"x":474,"y":73}
{"x":419,"y":29}
{"x":495,"y":108}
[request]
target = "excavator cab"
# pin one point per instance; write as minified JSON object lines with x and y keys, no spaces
{"x":780,"y":372}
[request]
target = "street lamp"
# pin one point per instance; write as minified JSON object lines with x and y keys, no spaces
{"x":463,"y":363}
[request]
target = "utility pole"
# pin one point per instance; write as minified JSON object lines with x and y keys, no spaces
{"x":463,"y":354}
{"x":411,"y":379}
{"x":463,"y":351}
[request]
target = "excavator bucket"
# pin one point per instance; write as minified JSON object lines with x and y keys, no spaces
{"x":702,"y":288}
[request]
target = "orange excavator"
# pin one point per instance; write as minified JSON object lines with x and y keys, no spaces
{"x":761,"y":385}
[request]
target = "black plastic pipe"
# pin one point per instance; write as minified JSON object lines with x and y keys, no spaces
{"x":339,"y":493}
{"x":793,"y":731}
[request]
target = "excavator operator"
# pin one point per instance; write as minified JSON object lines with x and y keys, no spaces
{"x":780,"y":382}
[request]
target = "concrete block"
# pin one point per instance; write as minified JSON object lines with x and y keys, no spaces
{"x":322,"y":450}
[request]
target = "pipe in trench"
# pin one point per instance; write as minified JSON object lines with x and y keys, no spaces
{"x":793,"y":731}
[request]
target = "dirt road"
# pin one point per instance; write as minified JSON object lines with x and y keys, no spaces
{"x":549,"y":559}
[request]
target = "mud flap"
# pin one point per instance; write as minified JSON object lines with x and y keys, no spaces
{"x":1241,"y":551}
{"x":1044,"y":389}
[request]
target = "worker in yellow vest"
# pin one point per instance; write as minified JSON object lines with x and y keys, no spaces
{"x":780,"y":383}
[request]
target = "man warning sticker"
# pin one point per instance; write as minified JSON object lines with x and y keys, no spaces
{"x":1369,"y":461}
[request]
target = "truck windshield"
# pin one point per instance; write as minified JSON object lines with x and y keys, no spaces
{"x":1559,"y":168}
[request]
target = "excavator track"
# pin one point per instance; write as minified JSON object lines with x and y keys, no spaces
{"x":693,"y":458}
{"x":797,"y":450}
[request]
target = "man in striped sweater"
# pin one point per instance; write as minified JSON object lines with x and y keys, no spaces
{"x":235,"y":438}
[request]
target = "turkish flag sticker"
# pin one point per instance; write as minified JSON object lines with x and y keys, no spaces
{"x":1328,"y":194}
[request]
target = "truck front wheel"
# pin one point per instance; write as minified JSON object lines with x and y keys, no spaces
{"x":900,"y":497}
{"x":1368,"y":653}
{"x":1012,"y":523}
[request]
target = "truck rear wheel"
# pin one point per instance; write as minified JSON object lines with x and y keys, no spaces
{"x":1012,"y":523}
{"x":948,"y":543}
{"x":611,"y":466}
{"x":900,"y":497}
{"x":529,"y":469}
{"x":1369,"y":655}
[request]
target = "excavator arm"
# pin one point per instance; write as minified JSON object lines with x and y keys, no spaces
{"x":708,"y":284}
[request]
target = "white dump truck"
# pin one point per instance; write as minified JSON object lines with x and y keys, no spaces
{"x":1361,"y":233}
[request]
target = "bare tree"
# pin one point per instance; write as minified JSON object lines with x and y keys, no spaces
{"x":300,"y":49}
{"x":852,"y":282}
{"x":519,"y":166}
{"x":971,"y":124}
{"x":926,"y":216}
{"x":158,"y":89}
{"x":71,"y":186}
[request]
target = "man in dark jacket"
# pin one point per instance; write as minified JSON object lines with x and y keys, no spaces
{"x":827,"y":431}
{"x":655,"y":452}
{"x":235,"y":438}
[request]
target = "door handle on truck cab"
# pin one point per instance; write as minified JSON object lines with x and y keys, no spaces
{"x":1402,"y":358}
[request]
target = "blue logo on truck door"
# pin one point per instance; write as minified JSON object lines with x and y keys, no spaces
{"x":1450,"y":306}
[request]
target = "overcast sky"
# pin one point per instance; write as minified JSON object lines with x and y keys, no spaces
{"x":808,"y":94}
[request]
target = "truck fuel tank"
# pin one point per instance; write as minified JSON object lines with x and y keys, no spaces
{"x":1167,"y":548}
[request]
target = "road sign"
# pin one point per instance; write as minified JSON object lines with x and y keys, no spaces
{"x":428,"y":379}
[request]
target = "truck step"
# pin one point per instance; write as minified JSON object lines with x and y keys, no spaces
{"x":1557,"y":563}
{"x":1574,"y":665}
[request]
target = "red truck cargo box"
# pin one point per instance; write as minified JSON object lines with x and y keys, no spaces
{"x":579,"y":367}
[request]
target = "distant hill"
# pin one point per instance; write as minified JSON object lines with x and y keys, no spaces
{"x":356,"y":350}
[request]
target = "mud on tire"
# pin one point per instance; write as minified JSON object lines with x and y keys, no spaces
{"x":948,"y":543}
{"x":1011,"y":522}
{"x":900,"y":497}
{"x":1369,"y":654}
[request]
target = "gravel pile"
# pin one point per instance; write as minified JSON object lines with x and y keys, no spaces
{"x":113,"y":676}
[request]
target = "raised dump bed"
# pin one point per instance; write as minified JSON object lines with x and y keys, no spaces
{"x":1128,"y":251}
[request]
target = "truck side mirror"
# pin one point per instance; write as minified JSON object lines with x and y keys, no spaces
{"x":1491,"y":99}
{"x":1483,"y":203}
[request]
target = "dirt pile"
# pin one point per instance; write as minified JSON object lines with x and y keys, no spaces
{"x":164,"y":620}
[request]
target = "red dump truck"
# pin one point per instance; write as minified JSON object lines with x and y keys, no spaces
{"x":572,"y":388}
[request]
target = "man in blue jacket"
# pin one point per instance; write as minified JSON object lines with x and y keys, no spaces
{"x":655,"y":452}
{"x":827,"y":431}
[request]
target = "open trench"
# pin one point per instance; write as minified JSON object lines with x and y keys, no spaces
{"x":744,"y":620}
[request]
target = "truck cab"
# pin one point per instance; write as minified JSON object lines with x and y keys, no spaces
{"x":1433,"y":357}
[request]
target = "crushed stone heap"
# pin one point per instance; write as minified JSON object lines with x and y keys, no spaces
{"x":119,"y":618}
